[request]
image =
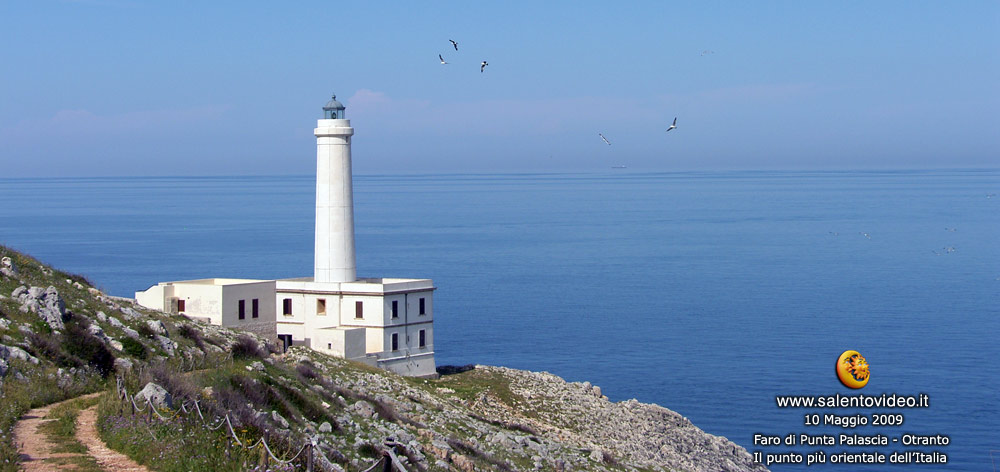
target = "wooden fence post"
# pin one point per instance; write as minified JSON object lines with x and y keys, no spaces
{"x":309,"y":457}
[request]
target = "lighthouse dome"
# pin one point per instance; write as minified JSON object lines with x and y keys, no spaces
{"x":333,"y":110}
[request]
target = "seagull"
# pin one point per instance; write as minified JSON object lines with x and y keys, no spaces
{"x":951,"y":229}
{"x":865,"y":235}
{"x":482,"y":66}
{"x":453,"y":43}
{"x":707,"y":51}
{"x":605,"y":139}
{"x":674,"y":125}
{"x":990,"y":195}
{"x":442,"y":59}
{"x":834,"y":233}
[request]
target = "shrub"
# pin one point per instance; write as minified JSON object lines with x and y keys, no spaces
{"x":192,"y":333}
{"x":134,"y":348}
{"x":145,"y":331}
{"x":246,"y":347}
{"x":83,"y":345}
{"x":306,"y":371}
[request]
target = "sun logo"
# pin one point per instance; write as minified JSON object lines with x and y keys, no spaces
{"x":852,"y":369}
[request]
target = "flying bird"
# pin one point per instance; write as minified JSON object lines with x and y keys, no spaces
{"x":707,"y":51}
{"x":605,"y":139}
{"x":482,"y":66}
{"x":442,"y":59}
{"x":865,"y":234}
{"x":674,"y":125}
{"x":453,"y":43}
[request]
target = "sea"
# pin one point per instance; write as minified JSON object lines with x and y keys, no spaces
{"x":709,"y":293}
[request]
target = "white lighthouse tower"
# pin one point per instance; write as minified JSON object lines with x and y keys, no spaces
{"x":334,"y":254}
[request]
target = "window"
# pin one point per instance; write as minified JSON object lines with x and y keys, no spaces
{"x":243,"y":309}
{"x":321,"y":306}
{"x":359,"y":310}
{"x":255,"y":308}
{"x":423,"y":339}
{"x":329,"y":346}
{"x":180,"y":306}
{"x":422,"y":307}
{"x":286,"y":307}
{"x":395,"y":309}
{"x":395,"y":342}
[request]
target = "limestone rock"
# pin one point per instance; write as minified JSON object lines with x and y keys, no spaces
{"x":130,"y":313}
{"x":279,"y":419}
{"x":325,"y":427}
{"x":13,"y":352}
{"x":123,"y":365}
{"x":7,"y":268}
{"x":157,"y":326}
{"x":364,"y":409}
{"x":157,"y":395}
{"x":166,"y":344}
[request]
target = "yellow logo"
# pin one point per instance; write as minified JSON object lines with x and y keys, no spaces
{"x":852,"y":369}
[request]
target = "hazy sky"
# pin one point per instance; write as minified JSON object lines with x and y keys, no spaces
{"x":120,"y":87}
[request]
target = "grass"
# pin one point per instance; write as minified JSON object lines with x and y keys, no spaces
{"x":180,"y":444}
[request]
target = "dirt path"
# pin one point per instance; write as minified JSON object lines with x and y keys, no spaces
{"x":37,"y":447}
{"x":109,"y":460}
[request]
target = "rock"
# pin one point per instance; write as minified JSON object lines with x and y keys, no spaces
{"x":166,"y":344}
{"x":207,"y":392}
{"x":157,"y":326}
{"x":157,"y":395}
{"x":13,"y":352}
{"x":131,"y":333}
{"x":597,"y":455}
{"x":463,"y":463}
{"x":7,"y":268}
{"x":98,"y":332}
{"x":78,"y":285}
{"x":123,"y":365}
{"x":102,"y":317}
{"x":116,"y":344}
{"x":130,"y":313}
{"x":4,"y":323}
{"x":325,"y":427}
{"x":16,"y":294}
{"x":256,"y":366}
{"x":115,"y":322}
{"x":364,"y":409}
{"x":597,"y":391}
{"x":279,"y":419}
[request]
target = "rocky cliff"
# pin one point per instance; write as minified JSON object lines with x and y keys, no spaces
{"x":61,"y":337}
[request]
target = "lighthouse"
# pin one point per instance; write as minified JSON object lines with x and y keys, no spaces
{"x":385,"y":322}
{"x":334,"y":251}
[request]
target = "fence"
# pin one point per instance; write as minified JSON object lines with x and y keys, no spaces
{"x":388,"y":461}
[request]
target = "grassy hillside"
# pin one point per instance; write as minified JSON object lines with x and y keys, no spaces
{"x":482,"y":418}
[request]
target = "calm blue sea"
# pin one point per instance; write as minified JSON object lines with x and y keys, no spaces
{"x":708,"y":293}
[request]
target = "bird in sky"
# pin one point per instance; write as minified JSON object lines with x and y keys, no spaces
{"x":482,"y":66}
{"x":442,"y":59}
{"x":674,"y":125}
{"x":605,"y":139}
{"x":453,"y":43}
{"x":707,"y":51}
{"x":865,"y":234}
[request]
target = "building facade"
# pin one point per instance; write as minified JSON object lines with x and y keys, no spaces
{"x":384,"y":322}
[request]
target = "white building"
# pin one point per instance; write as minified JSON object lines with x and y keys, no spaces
{"x":387,"y":322}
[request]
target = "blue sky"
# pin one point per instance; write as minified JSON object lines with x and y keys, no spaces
{"x":120,"y":87}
